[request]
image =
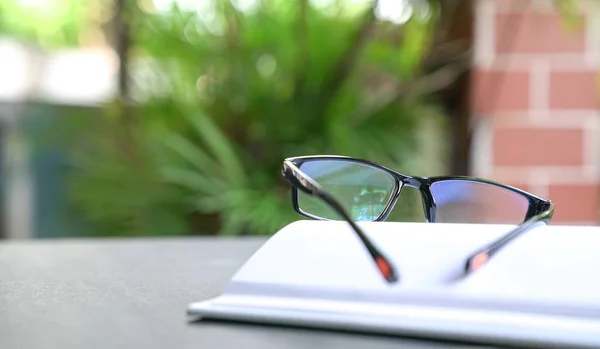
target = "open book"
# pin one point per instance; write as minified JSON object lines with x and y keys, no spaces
{"x":542,"y":289}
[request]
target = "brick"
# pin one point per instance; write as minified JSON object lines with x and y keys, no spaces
{"x":538,"y":147}
{"x":500,"y":91}
{"x":575,"y":203}
{"x":529,"y":32}
{"x":574,"y":90}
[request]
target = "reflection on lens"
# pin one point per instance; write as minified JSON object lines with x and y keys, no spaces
{"x":362,"y":190}
{"x":466,"y":201}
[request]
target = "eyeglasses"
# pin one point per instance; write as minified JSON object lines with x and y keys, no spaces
{"x":333,"y":187}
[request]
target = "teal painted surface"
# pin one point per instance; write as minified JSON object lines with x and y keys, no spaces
{"x":52,"y":216}
{"x":3,"y":178}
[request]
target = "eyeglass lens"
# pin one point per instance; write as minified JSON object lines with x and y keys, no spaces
{"x":467,"y":201}
{"x":365,"y":191}
{"x":362,"y":190}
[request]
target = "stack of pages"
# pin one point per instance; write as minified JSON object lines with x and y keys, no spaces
{"x":542,"y":289}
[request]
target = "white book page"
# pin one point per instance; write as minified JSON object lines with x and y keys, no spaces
{"x":550,"y":268}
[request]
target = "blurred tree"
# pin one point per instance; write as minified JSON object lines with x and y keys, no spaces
{"x":283,"y":79}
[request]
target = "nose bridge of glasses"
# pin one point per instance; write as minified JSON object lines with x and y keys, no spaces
{"x":421,"y":184}
{"x":413,"y":182}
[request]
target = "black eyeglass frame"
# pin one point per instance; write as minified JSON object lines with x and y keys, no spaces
{"x":536,"y":206}
{"x":539,"y":210}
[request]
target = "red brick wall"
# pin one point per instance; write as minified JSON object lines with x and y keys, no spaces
{"x":535,"y":104}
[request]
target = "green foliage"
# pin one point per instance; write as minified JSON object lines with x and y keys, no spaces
{"x":115,"y":183}
{"x":264,"y":78}
{"x":224,"y":95}
{"x":52,"y":23}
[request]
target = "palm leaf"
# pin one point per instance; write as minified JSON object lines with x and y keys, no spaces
{"x":190,"y":152}
{"x":220,"y":146}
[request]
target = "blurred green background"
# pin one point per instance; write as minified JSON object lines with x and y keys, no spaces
{"x":209,"y":96}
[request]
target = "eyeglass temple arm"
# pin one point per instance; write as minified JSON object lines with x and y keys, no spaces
{"x":481,"y":257}
{"x":306,"y":184}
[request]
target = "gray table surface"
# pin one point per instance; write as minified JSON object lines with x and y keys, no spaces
{"x":130,"y":293}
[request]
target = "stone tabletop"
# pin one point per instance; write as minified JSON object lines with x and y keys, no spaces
{"x":133,"y":293}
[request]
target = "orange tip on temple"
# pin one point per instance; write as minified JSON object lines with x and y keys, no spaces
{"x":479,"y":260}
{"x":384,"y":267}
